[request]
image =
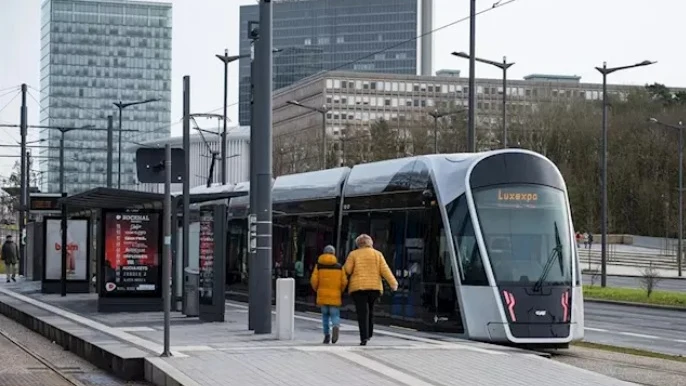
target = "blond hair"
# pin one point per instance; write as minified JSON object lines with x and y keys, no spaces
{"x":364,"y":240}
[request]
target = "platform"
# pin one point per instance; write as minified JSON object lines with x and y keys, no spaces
{"x":228,"y":354}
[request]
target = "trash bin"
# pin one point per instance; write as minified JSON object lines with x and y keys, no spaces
{"x":191,"y":293}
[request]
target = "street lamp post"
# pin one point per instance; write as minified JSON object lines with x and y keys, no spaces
{"x":436,"y":116}
{"x":323,"y":111}
{"x":121,"y":106}
{"x":504,"y":66}
{"x":680,"y":129}
{"x":605,"y":71}
{"x":226,"y":59}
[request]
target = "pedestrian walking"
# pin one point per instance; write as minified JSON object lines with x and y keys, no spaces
{"x":10,"y":255}
{"x":328,"y":281}
{"x":366,"y":266}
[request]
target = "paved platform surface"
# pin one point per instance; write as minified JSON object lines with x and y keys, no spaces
{"x":228,"y":354}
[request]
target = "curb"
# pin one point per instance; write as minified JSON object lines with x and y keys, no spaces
{"x":125,"y":367}
{"x":633,"y":304}
{"x":160,"y":373}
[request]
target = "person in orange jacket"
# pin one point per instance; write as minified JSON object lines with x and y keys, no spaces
{"x":329,"y":281}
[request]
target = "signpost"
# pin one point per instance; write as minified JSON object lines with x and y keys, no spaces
{"x":212,"y":253}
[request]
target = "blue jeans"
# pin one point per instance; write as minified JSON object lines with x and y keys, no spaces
{"x":330,"y":315}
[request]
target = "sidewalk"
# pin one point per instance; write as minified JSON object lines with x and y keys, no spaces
{"x":228,"y":354}
{"x":628,"y":271}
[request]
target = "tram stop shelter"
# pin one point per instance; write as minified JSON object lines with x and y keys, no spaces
{"x":94,"y":202}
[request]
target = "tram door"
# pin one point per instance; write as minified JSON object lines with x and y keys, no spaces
{"x":413,"y":277}
{"x":387,"y":229}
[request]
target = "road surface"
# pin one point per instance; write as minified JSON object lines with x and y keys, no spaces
{"x":635,"y":282}
{"x":662,"y":331}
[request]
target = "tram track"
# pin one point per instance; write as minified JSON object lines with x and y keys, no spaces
{"x":32,"y":375}
{"x":636,"y":369}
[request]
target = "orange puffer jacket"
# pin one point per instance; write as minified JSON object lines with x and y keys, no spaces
{"x":366,"y":266}
{"x":328,"y":280}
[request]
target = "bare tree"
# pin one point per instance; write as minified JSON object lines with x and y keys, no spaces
{"x":649,"y":279}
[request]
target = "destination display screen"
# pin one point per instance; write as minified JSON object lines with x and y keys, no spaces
{"x":206,"y":255}
{"x":519,"y":196}
{"x":132,"y":253}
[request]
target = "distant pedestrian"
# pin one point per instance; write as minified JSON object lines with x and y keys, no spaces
{"x":328,"y":281}
{"x":366,"y":266}
{"x":590,"y":240}
{"x":10,"y":255}
{"x":578,"y":239}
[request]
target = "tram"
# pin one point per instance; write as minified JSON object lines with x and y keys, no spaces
{"x":482,"y":244}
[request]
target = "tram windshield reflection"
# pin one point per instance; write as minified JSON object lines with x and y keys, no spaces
{"x":518,"y":226}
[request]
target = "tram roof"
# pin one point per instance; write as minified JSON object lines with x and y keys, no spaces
{"x":300,"y":187}
{"x":410,"y":173}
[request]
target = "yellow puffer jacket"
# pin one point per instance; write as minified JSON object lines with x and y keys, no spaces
{"x":366,"y":266}
{"x":328,"y":280}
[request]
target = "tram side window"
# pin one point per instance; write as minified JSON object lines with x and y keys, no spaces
{"x":467,"y":249}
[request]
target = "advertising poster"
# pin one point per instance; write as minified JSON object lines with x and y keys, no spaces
{"x":206,"y":256}
{"x":77,"y":249}
{"x":132,"y":253}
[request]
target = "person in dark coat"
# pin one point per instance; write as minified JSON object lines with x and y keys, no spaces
{"x":10,"y":255}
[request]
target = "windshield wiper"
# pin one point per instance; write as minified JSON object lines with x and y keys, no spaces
{"x":556,"y":252}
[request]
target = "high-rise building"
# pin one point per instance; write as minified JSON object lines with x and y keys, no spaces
{"x":320,"y":35}
{"x":95,"y":53}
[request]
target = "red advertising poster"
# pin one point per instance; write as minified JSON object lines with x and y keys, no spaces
{"x":206,"y":255}
{"x":132,"y":253}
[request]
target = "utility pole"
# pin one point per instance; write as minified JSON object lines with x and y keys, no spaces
{"x":605,"y":71}
{"x":23,"y":176}
{"x":263,"y":156}
{"x":166,"y":247}
{"x":110,"y":149}
{"x":679,"y":247}
{"x":471,"y":115}
{"x":185,"y":235}
{"x":253,"y":34}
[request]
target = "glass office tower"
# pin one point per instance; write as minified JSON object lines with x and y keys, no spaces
{"x":95,"y":53}
{"x":318,"y":35}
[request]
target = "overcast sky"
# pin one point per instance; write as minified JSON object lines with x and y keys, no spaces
{"x":567,"y":37}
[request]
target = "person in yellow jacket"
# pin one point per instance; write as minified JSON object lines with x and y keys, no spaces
{"x":328,"y":281}
{"x":366,"y":266}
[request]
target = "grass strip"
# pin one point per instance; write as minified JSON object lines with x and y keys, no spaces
{"x":629,"y":351}
{"x":636,"y":295}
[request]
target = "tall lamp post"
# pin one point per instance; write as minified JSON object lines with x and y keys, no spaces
{"x":323,"y":111}
{"x":605,"y":71}
{"x":504,"y":66}
{"x":226,"y":59}
{"x":436,"y":116}
{"x":680,"y":129}
{"x":121,"y":106}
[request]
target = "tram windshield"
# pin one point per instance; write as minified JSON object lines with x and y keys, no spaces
{"x":522,"y":226}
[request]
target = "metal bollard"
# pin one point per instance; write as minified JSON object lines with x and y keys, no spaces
{"x":285,"y":309}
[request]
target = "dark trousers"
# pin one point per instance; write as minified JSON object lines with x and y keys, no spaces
{"x":364,"y":306}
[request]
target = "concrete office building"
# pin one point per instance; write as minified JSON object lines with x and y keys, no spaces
{"x":202,"y":147}
{"x":316,"y":35}
{"x":357,"y":99}
{"x":94,"y":53}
